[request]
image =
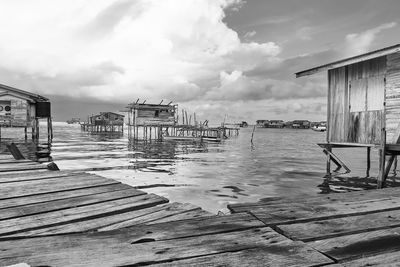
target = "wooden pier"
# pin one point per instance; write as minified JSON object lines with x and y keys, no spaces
{"x":59,"y":218}
{"x":353,"y":229}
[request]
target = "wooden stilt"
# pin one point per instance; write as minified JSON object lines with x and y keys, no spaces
{"x":328,"y":161}
{"x":368,"y":161}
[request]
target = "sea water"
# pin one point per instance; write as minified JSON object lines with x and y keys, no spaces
{"x":280,"y":162}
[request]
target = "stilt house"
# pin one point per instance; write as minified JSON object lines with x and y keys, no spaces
{"x":153,"y":118}
{"x":364,"y":103}
{"x":105,"y":122}
{"x":20,"y":108}
{"x":107,"y":118}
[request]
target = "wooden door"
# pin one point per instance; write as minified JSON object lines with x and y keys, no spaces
{"x":366,"y":98}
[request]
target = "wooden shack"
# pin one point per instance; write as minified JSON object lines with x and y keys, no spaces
{"x":300,"y":124}
{"x":261,"y":123}
{"x":275,"y":124}
{"x":19,"y":108}
{"x":105,"y":122}
{"x":152,"y":118}
{"x":364,"y":104}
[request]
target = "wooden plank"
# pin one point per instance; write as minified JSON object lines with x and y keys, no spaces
{"x":38,"y":176}
{"x":358,"y":95}
{"x":385,"y":259}
{"x":51,"y":196}
{"x":190,"y":214}
{"x":51,"y":185}
{"x":106,"y":250}
{"x":67,"y":203}
{"x":299,"y":212}
{"x":359,"y":245}
{"x":376,"y":93}
{"x":160,"y":231}
{"x":37,"y":221}
{"x":252,"y":257}
{"x":338,"y":103}
{"x":24,"y":168}
{"x":5,"y":161}
{"x":323,"y":229}
{"x":320,"y":199}
{"x":165,"y":212}
{"x":13,"y":165}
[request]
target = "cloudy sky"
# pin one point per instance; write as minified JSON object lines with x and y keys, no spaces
{"x":212,"y":57}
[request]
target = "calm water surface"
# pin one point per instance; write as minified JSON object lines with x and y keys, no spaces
{"x":282,"y":162}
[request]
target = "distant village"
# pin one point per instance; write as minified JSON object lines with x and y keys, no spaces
{"x":296,"y":124}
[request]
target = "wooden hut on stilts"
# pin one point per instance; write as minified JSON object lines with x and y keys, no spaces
{"x":364,"y":106}
{"x":22,"y":109}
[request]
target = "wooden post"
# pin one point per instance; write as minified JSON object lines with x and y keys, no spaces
{"x":328,"y":161}
{"x":368,"y":161}
{"x":382,"y":161}
{"x":37,"y":129}
{"x":33,"y":129}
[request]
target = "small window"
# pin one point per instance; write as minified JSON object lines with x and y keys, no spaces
{"x":157,"y":114}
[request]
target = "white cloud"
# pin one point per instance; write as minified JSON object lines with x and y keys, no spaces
{"x":250,"y":34}
{"x":123,"y":49}
{"x":358,"y":43}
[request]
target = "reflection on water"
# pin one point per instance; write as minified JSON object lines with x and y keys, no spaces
{"x":280,"y":162}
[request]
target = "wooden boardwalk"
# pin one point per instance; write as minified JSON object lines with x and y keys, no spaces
{"x":58,"y":218}
{"x":354,"y":229}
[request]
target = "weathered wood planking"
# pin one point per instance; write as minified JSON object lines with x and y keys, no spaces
{"x":162,"y":213}
{"x":360,"y":245}
{"x":338,"y":103}
{"x":43,"y":220}
{"x":385,"y":259}
{"x":104,"y":249}
{"x":320,"y":199}
{"x":51,"y":185}
{"x":392,"y":97}
{"x":12,"y":160}
{"x":300,"y":212}
{"x":173,"y":229}
{"x":72,"y":202}
{"x":148,"y":216}
{"x":355,"y":101}
{"x":25,"y":167}
{"x":255,"y":257}
{"x":52,"y":196}
{"x":35,"y":175}
{"x":332,"y":227}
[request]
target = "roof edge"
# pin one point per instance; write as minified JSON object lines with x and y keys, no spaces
{"x":351,"y":60}
{"x":35,"y":97}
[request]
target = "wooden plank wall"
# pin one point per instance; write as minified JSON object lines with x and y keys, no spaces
{"x":392,"y":98}
{"x":356,"y":96}
{"x":19,"y":111}
{"x":338,"y":101}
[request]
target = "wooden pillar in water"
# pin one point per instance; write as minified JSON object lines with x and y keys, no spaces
{"x":37,"y":129}
{"x":368,"y":161}
{"x":382,"y":161}
{"x":328,"y":162}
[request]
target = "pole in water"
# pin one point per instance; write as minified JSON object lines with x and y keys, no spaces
{"x":252,"y":135}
